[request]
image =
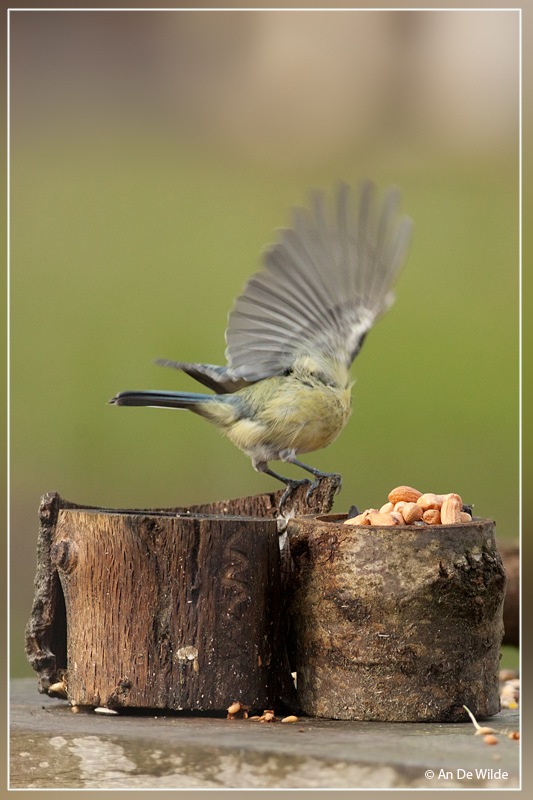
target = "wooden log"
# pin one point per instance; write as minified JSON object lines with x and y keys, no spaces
{"x":510,"y":553}
{"x":163,"y":608}
{"x":395,"y":624}
{"x":267,"y":505}
{"x":175,"y":612}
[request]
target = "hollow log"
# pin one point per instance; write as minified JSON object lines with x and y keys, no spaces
{"x":395,"y":624}
{"x":177,"y":608}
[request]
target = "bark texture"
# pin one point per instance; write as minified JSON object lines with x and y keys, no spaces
{"x":176,"y":612}
{"x":178,"y":608}
{"x":396,"y":624}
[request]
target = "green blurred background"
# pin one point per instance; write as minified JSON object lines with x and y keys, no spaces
{"x":153,"y":155}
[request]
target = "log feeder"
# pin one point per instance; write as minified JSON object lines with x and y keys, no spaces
{"x":396,"y":624}
{"x":193,"y":609}
{"x":176,"y":609}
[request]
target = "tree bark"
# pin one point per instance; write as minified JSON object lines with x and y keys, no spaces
{"x":396,"y":625}
{"x":175,"y":612}
{"x":176,"y":608}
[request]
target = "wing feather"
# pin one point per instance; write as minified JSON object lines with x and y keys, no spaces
{"x":322,"y":286}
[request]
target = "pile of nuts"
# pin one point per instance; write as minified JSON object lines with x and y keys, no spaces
{"x":239,"y":711}
{"x":408,"y":506}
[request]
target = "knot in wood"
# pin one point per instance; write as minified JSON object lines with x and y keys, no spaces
{"x":64,"y":555}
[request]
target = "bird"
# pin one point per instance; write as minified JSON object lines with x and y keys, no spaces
{"x":295,"y":330}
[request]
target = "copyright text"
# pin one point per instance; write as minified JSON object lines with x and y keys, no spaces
{"x":466,"y":775}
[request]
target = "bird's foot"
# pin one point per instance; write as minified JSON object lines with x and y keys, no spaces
{"x":316,"y":483}
{"x":292,"y":485}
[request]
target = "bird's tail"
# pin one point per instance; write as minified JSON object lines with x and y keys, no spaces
{"x":189,"y":400}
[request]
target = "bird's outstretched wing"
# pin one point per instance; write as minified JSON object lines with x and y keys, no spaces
{"x":322,"y":287}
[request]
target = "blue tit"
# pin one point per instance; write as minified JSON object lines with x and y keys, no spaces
{"x":294,"y":331}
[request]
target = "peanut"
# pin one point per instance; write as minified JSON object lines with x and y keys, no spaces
{"x":429,"y":501}
{"x":432,"y":516}
{"x":406,"y":493}
{"x":360,"y":519}
{"x":59,"y":688}
{"x":398,"y":517}
{"x":443,"y":497}
{"x":450,"y":512}
{"x":464,"y":516}
{"x":381,"y":519}
{"x":387,"y":508}
{"x":411,"y":512}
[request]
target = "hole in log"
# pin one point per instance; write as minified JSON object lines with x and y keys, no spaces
{"x":59,"y":631}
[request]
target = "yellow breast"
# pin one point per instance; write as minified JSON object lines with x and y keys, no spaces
{"x":291,"y":413}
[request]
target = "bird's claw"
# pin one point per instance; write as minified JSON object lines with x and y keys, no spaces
{"x":292,"y":485}
{"x":313,"y":486}
{"x":317,"y":482}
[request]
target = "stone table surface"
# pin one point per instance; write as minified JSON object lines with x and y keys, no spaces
{"x":53,"y":748}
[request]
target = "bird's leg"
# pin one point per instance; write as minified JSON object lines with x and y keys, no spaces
{"x":291,"y":483}
{"x":262,"y":466}
{"x":318,"y":475}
